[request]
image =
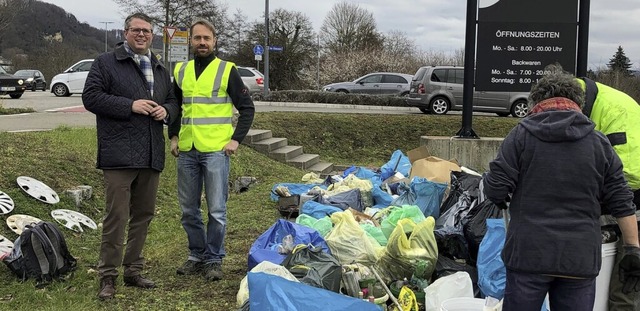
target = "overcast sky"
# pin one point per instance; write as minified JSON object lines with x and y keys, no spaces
{"x":433,"y":24}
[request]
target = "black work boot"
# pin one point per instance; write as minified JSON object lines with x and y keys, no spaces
{"x":107,"y":287}
{"x":190,"y":267}
{"x":138,"y":281}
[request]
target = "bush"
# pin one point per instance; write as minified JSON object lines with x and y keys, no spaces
{"x":335,"y":98}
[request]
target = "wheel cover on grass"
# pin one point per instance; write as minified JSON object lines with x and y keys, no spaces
{"x":73,"y":220}
{"x":6,"y":203}
{"x":17,"y":222}
{"x":38,"y":190}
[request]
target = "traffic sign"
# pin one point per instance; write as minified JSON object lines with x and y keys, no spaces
{"x":170,"y":31}
{"x":258,"y":57}
{"x":276,"y":48}
{"x":258,"y":49}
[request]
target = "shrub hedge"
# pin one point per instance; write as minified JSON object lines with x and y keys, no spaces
{"x":333,"y":98}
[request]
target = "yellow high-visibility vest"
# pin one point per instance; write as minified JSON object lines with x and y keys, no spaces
{"x":207,"y":109}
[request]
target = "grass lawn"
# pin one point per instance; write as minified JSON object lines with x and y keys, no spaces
{"x":65,"y":158}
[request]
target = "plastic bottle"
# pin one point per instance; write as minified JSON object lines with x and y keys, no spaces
{"x":288,"y":244}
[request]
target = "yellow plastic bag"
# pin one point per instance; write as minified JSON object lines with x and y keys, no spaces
{"x":349,"y":242}
{"x":407,"y":300}
{"x":405,"y":256}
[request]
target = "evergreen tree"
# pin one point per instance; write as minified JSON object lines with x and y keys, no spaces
{"x":620,"y":62}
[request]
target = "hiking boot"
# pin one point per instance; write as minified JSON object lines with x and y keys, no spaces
{"x":107,"y":287}
{"x":213,"y":271}
{"x":190,"y":267}
{"x":138,"y":281}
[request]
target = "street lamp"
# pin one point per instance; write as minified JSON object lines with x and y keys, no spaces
{"x":105,"y":35}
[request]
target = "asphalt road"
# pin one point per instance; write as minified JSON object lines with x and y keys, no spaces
{"x":52,"y":111}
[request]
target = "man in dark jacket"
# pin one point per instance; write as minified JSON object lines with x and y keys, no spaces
{"x":131,"y":94}
{"x":558,"y":170}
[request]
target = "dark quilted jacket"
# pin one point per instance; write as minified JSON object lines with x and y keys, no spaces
{"x":127,"y":139}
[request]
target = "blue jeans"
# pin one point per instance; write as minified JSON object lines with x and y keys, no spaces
{"x":526,"y":292}
{"x":212,"y":169}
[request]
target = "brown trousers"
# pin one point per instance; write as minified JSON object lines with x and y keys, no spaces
{"x":131,"y":199}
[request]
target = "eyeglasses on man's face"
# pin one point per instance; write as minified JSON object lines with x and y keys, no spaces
{"x":137,"y":31}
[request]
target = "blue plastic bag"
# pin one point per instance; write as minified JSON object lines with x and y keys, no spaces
{"x":264,"y":247}
{"x":398,"y":163}
{"x":492,"y":274}
{"x":273,"y":293}
{"x":318,"y":210}
{"x":427,"y":195}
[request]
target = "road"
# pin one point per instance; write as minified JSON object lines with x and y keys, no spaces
{"x":52,"y":111}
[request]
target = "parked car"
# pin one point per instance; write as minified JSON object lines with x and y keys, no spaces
{"x":252,"y":78}
{"x":10,"y":84}
{"x":438,"y":89}
{"x":34,"y":79}
{"x":72,"y":80}
{"x":377,"y":83}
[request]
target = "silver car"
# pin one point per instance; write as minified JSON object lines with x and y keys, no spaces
{"x":252,"y":78}
{"x":438,"y":89}
{"x":377,"y":83}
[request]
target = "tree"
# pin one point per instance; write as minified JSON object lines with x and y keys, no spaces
{"x":349,"y":28}
{"x":294,"y":66}
{"x":620,"y":62}
{"x":9,"y":9}
{"x":180,"y":13}
{"x":236,"y":34}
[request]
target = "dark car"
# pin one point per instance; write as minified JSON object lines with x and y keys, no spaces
{"x":10,"y":84}
{"x":33,"y":79}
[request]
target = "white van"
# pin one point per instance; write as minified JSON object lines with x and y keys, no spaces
{"x":71,"y":81}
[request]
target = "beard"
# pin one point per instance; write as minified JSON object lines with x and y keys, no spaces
{"x":202,"y":50}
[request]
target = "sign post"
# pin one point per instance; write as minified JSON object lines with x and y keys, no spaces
{"x":258,"y":50}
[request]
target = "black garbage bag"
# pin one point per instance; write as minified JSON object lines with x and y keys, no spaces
{"x":455,"y":191}
{"x":468,"y":182}
{"x":451,"y":220}
{"x":314,"y":267}
{"x":475,"y":225}
{"x":452,"y":244}
{"x":447,"y":266}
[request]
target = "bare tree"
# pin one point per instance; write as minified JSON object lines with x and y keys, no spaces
{"x":348,"y":28}
{"x":179,"y":13}
{"x":236,"y":33}
{"x":9,"y":9}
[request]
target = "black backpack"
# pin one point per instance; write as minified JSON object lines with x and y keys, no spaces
{"x":41,"y":253}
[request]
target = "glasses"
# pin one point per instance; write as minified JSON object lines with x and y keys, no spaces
{"x":137,"y":31}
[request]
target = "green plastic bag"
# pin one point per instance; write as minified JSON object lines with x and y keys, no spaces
{"x":322,"y":225}
{"x":412,"y":212}
{"x":375,"y":233}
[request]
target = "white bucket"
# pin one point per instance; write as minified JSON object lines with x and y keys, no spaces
{"x":462,"y":304}
{"x":602,"y":281}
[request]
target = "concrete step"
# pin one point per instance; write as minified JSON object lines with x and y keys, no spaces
{"x":286,"y":153}
{"x":304,"y":161}
{"x":267,"y":145}
{"x":321,"y":167}
{"x":254,"y":136}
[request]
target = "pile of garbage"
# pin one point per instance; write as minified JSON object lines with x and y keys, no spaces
{"x":408,"y":236}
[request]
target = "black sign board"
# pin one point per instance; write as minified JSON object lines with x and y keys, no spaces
{"x":518,"y":38}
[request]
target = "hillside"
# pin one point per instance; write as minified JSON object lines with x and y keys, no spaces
{"x":48,"y":38}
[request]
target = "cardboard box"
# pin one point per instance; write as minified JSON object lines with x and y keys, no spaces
{"x":423,"y":164}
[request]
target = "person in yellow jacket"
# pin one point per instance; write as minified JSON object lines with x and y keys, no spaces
{"x":203,"y":138}
{"x":617,"y":115}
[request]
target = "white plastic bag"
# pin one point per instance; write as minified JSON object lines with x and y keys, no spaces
{"x":266,"y":267}
{"x":447,"y":287}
